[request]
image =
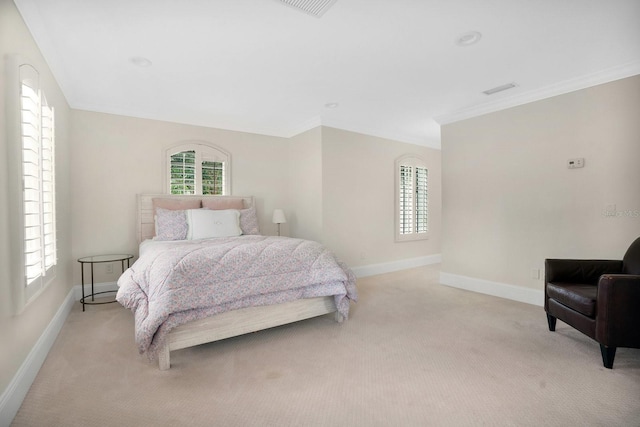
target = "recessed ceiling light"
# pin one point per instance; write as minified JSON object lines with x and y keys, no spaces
{"x":331,"y":105}
{"x":141,"y":61}
{"x":469,"y":38}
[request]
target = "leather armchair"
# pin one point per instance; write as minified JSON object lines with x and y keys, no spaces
{"x":600,"y":298}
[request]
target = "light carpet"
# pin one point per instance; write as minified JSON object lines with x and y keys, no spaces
{"x":413,"y":353}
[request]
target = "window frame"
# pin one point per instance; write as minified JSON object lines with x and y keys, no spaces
{"x":415,"y":162}
{"x":37,"y":179}
{"x":204,"y":151}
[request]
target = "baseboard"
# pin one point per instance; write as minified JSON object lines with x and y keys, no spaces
{"x":403,"y":264}
{"x":17,"y":389}
{"x":11,"y":399}
{"x":502,"y":290}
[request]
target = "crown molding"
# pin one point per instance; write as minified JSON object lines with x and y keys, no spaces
{"x":290,"y":132}
{"x":211,"y":124}
{"x":605,"y":76}
{"x":302,"y":127}
{"x":380,"y":133}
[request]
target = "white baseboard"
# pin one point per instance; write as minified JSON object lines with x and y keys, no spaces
{"x":403,"y":264}
{"x":14,"y":394}
{"x":502,"y":290}
{"x":12,"y":397}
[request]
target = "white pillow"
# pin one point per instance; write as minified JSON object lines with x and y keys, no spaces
{"x":205,"y":223}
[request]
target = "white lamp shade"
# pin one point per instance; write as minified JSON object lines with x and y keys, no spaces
{"x":278,"y":217}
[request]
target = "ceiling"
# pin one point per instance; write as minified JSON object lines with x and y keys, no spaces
{"x":392,"y":66}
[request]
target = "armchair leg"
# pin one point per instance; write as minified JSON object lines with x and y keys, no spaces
{"x":608,"y":354}
{"x":552,"y":322}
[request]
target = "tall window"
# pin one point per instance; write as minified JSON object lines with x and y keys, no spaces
{"x":412,"y":205}
{"x":38,"y":180}
{"x":198,"y":168}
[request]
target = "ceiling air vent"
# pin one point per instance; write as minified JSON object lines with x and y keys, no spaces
{"x":499,"y":88}
{"x":313,"y":7}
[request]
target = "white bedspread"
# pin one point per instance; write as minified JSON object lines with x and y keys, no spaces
{"x":176,"y":282}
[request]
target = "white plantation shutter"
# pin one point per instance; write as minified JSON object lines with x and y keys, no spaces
{"x":48,"y":185}
{"x":421,"y":203}
{"x":406,"y":199}
{"x":412,"y":199}
{"x":183,"y":173}
{"x":38,"y":179}
{"x":212,"y":177}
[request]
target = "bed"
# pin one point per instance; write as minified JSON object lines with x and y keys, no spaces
{"x":190,"y":291}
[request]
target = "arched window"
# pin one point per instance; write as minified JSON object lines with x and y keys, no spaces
{"x":197,"y":167}
{"x":412,"y":204}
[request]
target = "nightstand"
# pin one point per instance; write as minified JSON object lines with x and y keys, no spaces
{"x":97,"y":259}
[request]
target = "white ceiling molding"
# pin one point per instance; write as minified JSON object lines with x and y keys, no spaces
{"x":312,"y":123}
{"x":270,"y":72}
{"x":601,"y":77}
{"x":380,"y":133}
{"x":208,"y":123}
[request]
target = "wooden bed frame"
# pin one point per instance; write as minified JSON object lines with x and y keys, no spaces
{"x":232,"y":323}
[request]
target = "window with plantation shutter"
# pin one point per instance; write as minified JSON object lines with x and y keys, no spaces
{"x":183,"y":172}
{"x":198,"y":168}
{"x":38,"y":180}
{"x":212,"y":177}
{"x":412,"y":203}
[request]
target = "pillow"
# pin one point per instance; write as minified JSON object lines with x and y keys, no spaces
{"x":223,"y":203}
{"x":249,"y":221}
{"x":170,"y":224}
{"x":205,"y":223}
{"x":175,"y":204}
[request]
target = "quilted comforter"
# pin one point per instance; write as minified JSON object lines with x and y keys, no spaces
{"x":188,"y":280}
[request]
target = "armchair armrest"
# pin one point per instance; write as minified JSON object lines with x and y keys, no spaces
{"x":617,"y":310}
{"x":585,"y":271}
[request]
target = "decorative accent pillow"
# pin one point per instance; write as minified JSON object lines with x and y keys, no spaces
{"x":249,"y":221}
{"x":172,"y":204}
{"x":170,"y":224}
{"x":205,"y":223}
{"x":223,"y":203}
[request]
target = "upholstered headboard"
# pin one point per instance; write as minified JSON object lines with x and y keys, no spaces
{"x":146,"y":223}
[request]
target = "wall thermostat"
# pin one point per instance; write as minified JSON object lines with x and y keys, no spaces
{"x":575,"y":163}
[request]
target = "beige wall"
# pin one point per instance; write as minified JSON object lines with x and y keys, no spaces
{"x":358,"y":198}
{"x":20,"y":327}
{"x":116,"y":157}
{"x":509,"y":200}
{"x":304,"y":213}
{"x":324,"y":179}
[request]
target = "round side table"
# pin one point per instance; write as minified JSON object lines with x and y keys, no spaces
{"x":97,"y":259}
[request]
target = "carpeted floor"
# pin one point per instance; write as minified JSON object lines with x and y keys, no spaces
{"x":414,"y":353}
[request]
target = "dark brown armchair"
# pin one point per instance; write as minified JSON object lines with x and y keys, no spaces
{"x":600,"y":298}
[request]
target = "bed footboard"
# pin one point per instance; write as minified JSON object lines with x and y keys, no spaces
{"x":243,"y":321}
{"x":164,"y":362}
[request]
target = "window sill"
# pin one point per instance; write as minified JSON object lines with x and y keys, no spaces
{"x":411,"y":237}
